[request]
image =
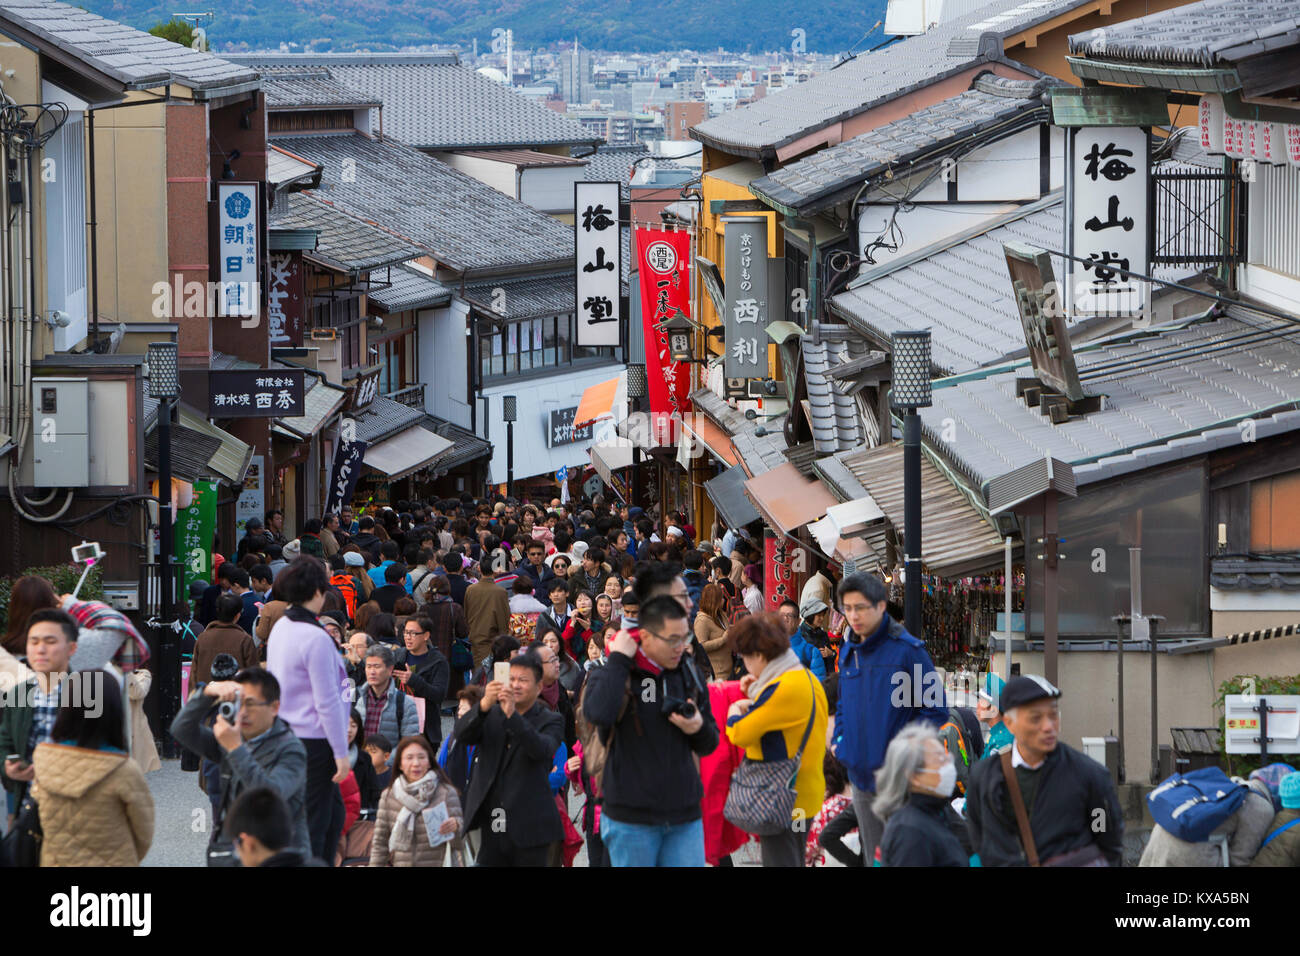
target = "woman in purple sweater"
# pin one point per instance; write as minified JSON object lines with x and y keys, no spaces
{"x":315,"y":696}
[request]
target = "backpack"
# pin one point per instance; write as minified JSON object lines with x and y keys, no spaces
{"x":595,"y":751}
{"x":1191,"y":805}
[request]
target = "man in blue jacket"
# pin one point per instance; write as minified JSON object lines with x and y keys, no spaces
{"x":886,"y":681}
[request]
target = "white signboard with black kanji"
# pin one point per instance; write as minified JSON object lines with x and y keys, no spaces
{"x":1108,"y":177}
{"x":599,"y":267}
{"x":238,"y":229}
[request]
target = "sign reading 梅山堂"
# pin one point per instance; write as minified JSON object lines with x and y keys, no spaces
{"x":746,"y":316}
{"x":599,"y":271}
{"x":562,"y":431}
{"x":1107,"y":180}
{"x":257,"y":393}
{"x":238,"y":231}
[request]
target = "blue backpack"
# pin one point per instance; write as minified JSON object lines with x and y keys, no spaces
{"x":1191,"y":806}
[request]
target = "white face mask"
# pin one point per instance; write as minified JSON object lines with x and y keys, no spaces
{"x":947,"y":780}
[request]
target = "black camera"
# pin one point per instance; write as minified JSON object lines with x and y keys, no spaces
{"x":675,"y":705}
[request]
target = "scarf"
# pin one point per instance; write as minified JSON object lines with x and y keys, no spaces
{"x":551,"y":695}
{"x":96,"y":615}
{"x":413,"y":797}
{"x":773,"y":669}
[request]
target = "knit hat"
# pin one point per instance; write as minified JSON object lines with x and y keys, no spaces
{"x":811,"y":606}
{"x":292,"y":549}
{"x":354,"y":559}
{"x":1288,"y":791}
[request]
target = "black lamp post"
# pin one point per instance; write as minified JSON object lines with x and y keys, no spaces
{"x":510,"y":412}
{"x":164,"y":385}
{"x":910,"y":391}
{"x":638,"y":388}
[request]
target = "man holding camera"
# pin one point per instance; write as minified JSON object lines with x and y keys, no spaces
{"x":652,"y":711}
{"x":253,"y":745}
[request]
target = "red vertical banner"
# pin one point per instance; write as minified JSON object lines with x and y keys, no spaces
{"x":785,"y":571}
{"x":664,"y":262}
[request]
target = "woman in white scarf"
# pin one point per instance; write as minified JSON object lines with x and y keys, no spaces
{"x":419,"y":814}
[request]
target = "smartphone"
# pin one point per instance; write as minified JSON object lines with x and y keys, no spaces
{"x":19,"y":759}
{"x":501,"y":672}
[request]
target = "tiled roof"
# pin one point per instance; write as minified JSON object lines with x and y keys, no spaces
{"x":289,"y":87}
{"x":836,"y":424}
{"x":1154,"y":412}
{"x":870,"y":79}
{"x":523,"y":158}
{"x":1205,"y":34}
{"x":409,"y":289}
{"x":960,"y":290}
{"x":465,"y":224}
{"x":345,"y":242}
{"x":525,"y":298}
{"x":136,"y":59}
{"x":191,"y":452}
{"x":465,"y":447}
{"x":821,"y":178}
{"x":613,"y":164}
{"x":760,"y":453}
{"x":436,"y":103}
{"x":384,"y":418}
{"x":1255,"y":574}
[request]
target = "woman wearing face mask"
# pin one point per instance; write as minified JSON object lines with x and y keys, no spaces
{"x":913,"y":788}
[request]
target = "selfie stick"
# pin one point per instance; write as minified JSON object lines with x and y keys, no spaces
{"x":90,"y":563}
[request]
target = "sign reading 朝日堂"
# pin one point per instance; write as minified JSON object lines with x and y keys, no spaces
{"x":599,"y":266}
{"x":238,"y":234}
{"x":746,"y":315}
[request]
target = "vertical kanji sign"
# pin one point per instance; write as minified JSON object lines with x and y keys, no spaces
{"x":599,"y":266}
{"x":286,"y":305}
{"x":195,"y":526}
{"x":238,"y":236}
{"x":664,"y":266}
{"x":746,"y":316}
{"x":1108,"y":183}
{"x":784,"y":571}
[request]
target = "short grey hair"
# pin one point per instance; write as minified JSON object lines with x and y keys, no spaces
{"x":383,"y":652}
{"x":904,"y":757}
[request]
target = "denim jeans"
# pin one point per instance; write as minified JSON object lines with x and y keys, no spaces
{"x":639,"y":844}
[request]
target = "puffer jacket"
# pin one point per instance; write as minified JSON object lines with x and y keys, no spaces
{"x":96,"y":809}
{"x":1244,"y":830}
{"x":1283,"y":849}
{"x":420,"y":853}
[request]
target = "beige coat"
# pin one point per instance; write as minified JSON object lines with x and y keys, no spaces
{"x":143,"y":749}
{"x":96,"y":809}
{"x":487,"y":612}
{"x":713,"y":638}
{"x":420,"y":853}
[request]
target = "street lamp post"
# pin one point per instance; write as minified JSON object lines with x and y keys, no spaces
{"x":510,"y":412}
{"x":910,"y":391}
{"x":164,"y":385}
{"x":637,"y":389}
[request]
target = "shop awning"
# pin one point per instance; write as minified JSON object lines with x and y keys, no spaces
{"x":231,"y":459}
{"x":597,"y":403}
{"x":786,"y":499}
{"x":850,"y":532}
{"x":608,"y":457}
{"x":955,"y":537}
{"x":320,"y":405}
{"x":649,"y":431}
{"x":711,"y":437}
{"x":406,"y":452}
{"x":727,"y":492}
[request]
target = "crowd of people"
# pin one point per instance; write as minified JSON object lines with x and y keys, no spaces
{"x":446,"y":682}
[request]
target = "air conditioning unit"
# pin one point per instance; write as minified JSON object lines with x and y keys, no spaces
{"x":60,"y":432}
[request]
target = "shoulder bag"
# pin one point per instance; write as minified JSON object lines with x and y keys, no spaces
{"x":762,"y":797}
{"x":1089,"y":855}
{"x":21,"y":846}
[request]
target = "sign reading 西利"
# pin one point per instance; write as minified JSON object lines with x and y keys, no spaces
{"x":285,"y":302}
{"x":1107,"y":180}
{"x":599,"y":266}
{"x":238,"y":230}
{"x":745,"y":314}
{"x":664,"y":267}
{"x":562,"y":432}
{"x":256,"y":393}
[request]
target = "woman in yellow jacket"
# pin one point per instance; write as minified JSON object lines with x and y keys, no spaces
{"x":772,"y":721}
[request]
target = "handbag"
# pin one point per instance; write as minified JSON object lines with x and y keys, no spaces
{"x":1089,"y":855}
{"x":761,"y":797}
{"x":462,"y":655}
{"x":22,"y":844}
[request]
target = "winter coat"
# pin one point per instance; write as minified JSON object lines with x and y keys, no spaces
{"x":218,"y":638}
{"x":721,"y":836}
{"x":96,"y":809}
{"x":866,"y":719}
{"x":1244,"y":830}
{"x":810,"y":656}
{"x":774,"y":726}
{"x":917,"y":835}
{"x":143,"y":749}
{"x":1283,"y":849}
{"x":487,"y":613}
{"x":420,"y":853}
{"x":713,"y":638}
{"x":399,"y":717}
{"x":448,"y":623}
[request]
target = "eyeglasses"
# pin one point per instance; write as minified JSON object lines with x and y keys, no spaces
{"x":410,"y":633}
{"x":673,"y":643}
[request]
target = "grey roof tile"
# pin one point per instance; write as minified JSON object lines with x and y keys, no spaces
{"x":836,"y":423}
{"x":433,"y":102}
{"x":1159,"y":409}
{"x":465,"y":224}
{"x":962,"y":293}
{"x":344,"y":241}
{"x":130,"y":56}
{"x":819,"y":179}
{"x":874,"y":78}
{"x":1205,"y":34}
{"x":288,"y":87}
{"x":525,"y":298}
{"x":466,"y":446}
{"x":384,"y":418}
{"x":409,"y":289}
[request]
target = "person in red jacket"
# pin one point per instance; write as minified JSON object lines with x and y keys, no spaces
{"x":721,"y":837}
